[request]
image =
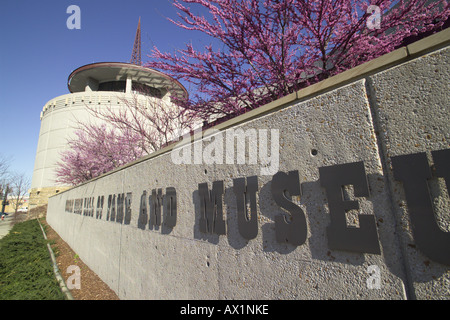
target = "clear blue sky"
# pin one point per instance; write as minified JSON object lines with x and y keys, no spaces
{"x":38,"y":52}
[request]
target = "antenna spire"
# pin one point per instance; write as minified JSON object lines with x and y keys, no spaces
{"x":136,"y":55}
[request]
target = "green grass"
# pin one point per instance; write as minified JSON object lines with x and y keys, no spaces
{"x":26,"y":271}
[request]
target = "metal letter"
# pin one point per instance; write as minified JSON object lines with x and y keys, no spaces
{"x":98,"y":213}
{"x":128,"y":208}
{"x":441,"y":160}
{"x":111,"y":212}
{"x":85,"y":207}
{"x":142,"y":220}
{"x":155,"y":207}
{"x":120,"y":200}
{"x":341,"y":237}
{"x":112,"y":217}
{"x":108,"y":208}
{"x":295,"y":230}
{"x":170,"y":208}
{"x":211,"y":213}
{"x":413,"y":170}
{"x":91,"y":207}
{"x":247,"y":223}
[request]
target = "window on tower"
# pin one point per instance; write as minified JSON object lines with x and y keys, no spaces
{"x":117,"y":86}
{"x":146,"y":90}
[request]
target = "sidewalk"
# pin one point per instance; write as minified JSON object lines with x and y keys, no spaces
{"x":6,"y":225}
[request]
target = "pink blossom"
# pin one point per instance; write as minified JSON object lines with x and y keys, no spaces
{"x":270,"y":48}
{"x":261,"y":50}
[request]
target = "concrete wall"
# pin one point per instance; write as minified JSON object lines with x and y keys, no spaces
{"x":364,"y":241}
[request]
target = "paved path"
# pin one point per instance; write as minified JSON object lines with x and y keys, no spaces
{"x":6,"y":225}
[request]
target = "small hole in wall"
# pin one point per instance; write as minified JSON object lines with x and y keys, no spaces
{"x":206,"y":171}
{"x":207,"y":263}
{"x":314,"y":152}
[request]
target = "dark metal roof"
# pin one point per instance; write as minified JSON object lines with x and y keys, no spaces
{"x":119,"y":71}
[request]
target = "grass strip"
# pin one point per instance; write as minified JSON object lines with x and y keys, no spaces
{"x":26,"y":272}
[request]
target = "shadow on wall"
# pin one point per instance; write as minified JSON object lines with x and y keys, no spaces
{"x":314,"y":204}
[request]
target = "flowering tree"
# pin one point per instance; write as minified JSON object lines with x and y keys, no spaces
{"x":269,"y":48}
{"x":140,"y":127}
{"x":97,"y":150}
{"x":263,"y":50}
{"x":157,"y":121}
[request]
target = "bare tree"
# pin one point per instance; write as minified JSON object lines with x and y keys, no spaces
{"x":19,"y":186}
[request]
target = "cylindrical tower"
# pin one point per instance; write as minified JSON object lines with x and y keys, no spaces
{"x":106,"y":84}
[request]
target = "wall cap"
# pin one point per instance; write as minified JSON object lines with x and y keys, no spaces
{"x":412,"y":51}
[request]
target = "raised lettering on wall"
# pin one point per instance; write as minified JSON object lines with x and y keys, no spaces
{"x":211,"y":208}
{"x":295,"y":230}
{"x":170,"y":207}
{"x":413,"y":170}
{"x":155,"y":207}
{"x":143,"y":216}
{"x":247,"y":223}
{"x":341,"y":237}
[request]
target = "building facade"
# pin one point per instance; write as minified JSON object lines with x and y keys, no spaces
{"x":97,"y":85}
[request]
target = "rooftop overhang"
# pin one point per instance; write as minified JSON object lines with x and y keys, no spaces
{"x":118,"y":71}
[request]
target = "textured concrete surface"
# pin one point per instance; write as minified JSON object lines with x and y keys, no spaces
{"x":361,"y":121}
{"x":413,"y":115}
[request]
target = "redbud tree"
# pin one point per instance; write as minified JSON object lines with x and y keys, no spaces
{"x":96,"y":150}
{"x":140,"y":127}
{"x":265,"y":49}
{"x":260,"y":51}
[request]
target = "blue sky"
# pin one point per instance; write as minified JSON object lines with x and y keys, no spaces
{"x":38,"y":52}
